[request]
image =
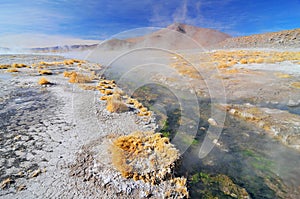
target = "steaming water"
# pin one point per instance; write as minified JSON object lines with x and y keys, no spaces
{"x":250,"y":158}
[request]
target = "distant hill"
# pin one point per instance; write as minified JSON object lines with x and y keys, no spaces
{"x":281,"y":39}
{"x":175,"y":36}
{"x":181,"y":36}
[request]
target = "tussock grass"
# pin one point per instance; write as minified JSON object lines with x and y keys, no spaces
{"x":12,"y":70}
{"x":144,"y":156}
{"x":250,"y":57}
{"x":295,"y":84}
{"x":115,"y":104}
{"x":45,"y":72}
{"x":4,"y":66}
{"x":75,"y":77}
{"x":43,"y":81}
{"x":15,"y":65}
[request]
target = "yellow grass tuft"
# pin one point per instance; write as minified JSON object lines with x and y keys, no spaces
{"x":115,"y":105}
{"x":105,"y":97}
{"x":282,"y":75}
{"x":144,"y":156}
{"x":79,"y":78}
{"x":68,"y":73}
{"x":259,"y":60}
{"x":88,"y":87}
{"x":295,"y":84}
{"x":251,"y":61}
{"x":12,"y":70}
{"x":68,"y":62}
{"x":108,"y":92}
{"x":43,"y":81}
{"x":5,"y":66}
{"x":45,"y":72}
{"x":243,"y":61}
{"x":15,"y":65}
{"x":6,"y":182}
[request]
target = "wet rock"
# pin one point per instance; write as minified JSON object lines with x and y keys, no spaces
{"x":212,"y":122}
{"x":292,"y":103}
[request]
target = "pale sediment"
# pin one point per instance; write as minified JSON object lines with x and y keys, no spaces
{"x":56,"y":140}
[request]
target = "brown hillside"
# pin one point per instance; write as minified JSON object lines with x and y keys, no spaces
{"x":286,"y":38}
{"x":181,"y":36}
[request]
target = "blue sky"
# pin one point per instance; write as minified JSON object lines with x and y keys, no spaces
{"x":100,"y":19}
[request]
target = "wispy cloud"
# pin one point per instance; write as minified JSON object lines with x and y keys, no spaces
{"x":29,"y":17}
{"x":190,"y":12}
{"x":92,"y":19}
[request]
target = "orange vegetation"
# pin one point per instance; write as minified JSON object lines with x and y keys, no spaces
{"x":12,"y":70}
{"x":146,"y":155}
{"x":282,"y":75}
{"x":149,"y":157}
{"x":43,"y":81}
{"x":185,"y":68}
{"x":115,"y":104}
{"x":224,"y":58}
{"x":14,"y":65}
{"x":295,"y":84}
{"x":77,"y":77}
{"x":5,"y":66}
{"x":45,"y":72}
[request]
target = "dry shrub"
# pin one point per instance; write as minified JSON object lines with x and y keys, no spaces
{"x":147,"y":113}
{"x":43,"y":81}
{"x":68,"y":73}
{"x":232,"y":71}
{"x":105,"y":97}
{"x":15,"y":65}
{"x":138,"y":105}
{"x":68,"y":62}
{"x":143,"y":109}
{"x":5,"y":66}
{"x":259,"y":60}
{"x":48,"y":63}
{"x":251,"y":61}
{"x":12,"y":70}
{"x":5,"y":183}
{"x":72,"y":61}
{"x":295,"y":84}
{"x":119,"y":91}
{"x":144,"y":156}
{"x":282,"y":75}
{"x":105,"y":82}
{"x":88,"y":87}
{"x":222,"y":65}
{"x":115,"y":105}
{"x":108,"y":92}
{"x":79,"y":78}
{"x":243,"y":61}
{"x":131,"y":101}
{"x":45,"y":72}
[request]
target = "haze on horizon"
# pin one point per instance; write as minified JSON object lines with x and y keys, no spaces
{"x":98,"y":20}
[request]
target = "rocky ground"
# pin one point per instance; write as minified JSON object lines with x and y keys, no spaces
{"x":55,"y":139}
{"x":282,"y":39}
